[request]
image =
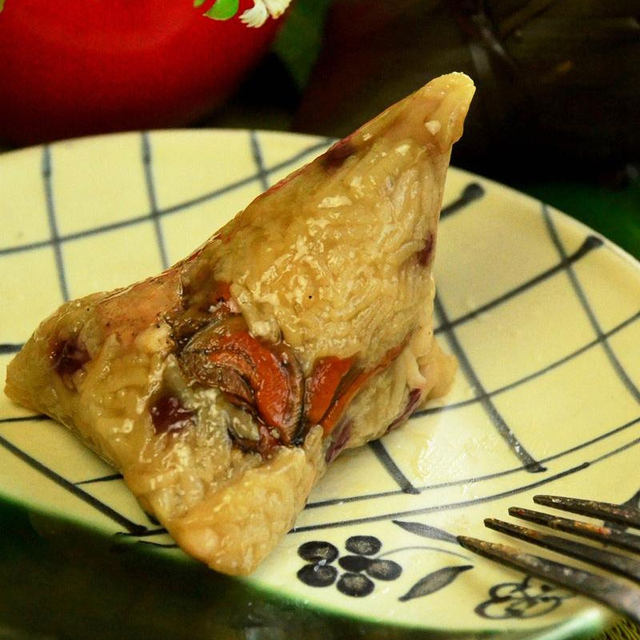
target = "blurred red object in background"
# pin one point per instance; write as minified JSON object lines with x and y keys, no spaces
{"x":76,"y":67}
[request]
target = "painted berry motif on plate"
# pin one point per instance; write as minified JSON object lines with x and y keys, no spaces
{"x":361,"y":566}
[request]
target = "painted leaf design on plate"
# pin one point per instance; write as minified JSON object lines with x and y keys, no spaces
{"x":427,"y":531}
{"x":434,"y":581}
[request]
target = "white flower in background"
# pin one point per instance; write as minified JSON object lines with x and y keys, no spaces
{"x":262,"y":9}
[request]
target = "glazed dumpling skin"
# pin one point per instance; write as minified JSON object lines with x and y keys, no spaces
{"x":222,"y":388}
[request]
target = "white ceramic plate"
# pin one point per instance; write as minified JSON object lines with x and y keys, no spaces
{"x":542,"y":313}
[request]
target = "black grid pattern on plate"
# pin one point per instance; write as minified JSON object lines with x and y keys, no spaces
{"x":293,"y":161}
{"x":588,"y":309}
{"x":154,"y":212}
{"x":473,"y":191}
{"x":528,"y":462}
{"x":466,"y":503}
{"x":47,"y":181}
{"x":469,"y":480}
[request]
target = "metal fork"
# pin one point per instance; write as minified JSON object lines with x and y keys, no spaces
{"x":621,"y":595}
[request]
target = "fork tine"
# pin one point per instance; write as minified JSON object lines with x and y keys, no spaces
{"x":618,"y":596}
{"x":622,"y":565}
{"x":620,"y":514}
{"x":601,"y":533}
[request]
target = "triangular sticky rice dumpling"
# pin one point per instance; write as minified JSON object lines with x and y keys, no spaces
{"x":222,"y":388}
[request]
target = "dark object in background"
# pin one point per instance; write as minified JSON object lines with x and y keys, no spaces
{"x":558,"y":80}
